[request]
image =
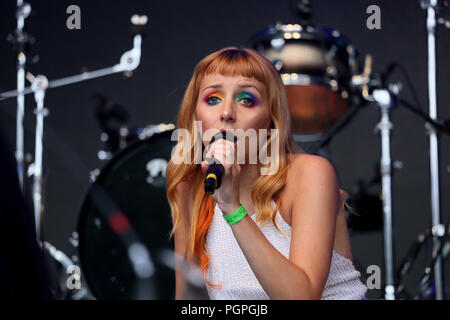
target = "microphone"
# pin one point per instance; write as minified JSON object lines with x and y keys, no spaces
{"x":216,"y":169}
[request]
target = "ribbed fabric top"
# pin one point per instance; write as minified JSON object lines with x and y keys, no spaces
{"x":229,"y":267}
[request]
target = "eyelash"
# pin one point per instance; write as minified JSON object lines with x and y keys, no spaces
{"x":252,"y":101}
{"x":207,"y":100}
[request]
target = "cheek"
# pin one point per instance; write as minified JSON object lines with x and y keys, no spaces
{"x":259,"y":120}
{"x":204,"y":115}
{"x":206,"y":118}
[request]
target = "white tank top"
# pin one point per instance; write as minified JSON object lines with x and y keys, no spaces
{"x":229,"y":267}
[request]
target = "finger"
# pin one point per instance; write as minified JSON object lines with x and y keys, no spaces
{"x":226,"y":151}
{"x":205,"y":166}
{"x":207,"y":152}
{"x":212,"y":150}
{"x":226,"y":158}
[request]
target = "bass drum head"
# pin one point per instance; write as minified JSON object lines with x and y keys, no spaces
{"x":132,"y":184}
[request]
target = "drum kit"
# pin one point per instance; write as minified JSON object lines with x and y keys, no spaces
{"x":123,"y":249}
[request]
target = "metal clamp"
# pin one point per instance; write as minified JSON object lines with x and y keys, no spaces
{"x":438,"y":230}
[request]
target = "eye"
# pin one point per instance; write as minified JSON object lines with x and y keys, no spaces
{"x":246,"y":99}
{"x":212,"y":100}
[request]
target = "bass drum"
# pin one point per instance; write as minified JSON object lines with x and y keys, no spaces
{"x":127,"y":205}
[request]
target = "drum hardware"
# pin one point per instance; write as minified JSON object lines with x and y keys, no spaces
{"x":129,"y":61}
{"x":439,"y":253}
{"x":111,"y":118}
{"x":364,"y":79}
{"x":21,"y":41}
{"x":385,"y":101}
{"x":115,"y":134}
{"x":316,"y":65}
{"x":408,"y":261}
{"x":366,"y":206}
{"x":425,"y":289}
{"x":431,"y":124}
{"x":303,"y":10}
{"x":433,"y":127}
{"x":385,"y":98}
{"x":128,"y":193}
{"x":93,"y":175}
{"x":373,"y":90}
{"x":360,"y":83}
{"x":433,"y":8}
{"x":60,"y":266}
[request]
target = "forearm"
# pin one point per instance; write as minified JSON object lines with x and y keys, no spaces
{"x":279,"y":277}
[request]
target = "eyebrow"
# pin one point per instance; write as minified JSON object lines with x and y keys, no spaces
{"x":217,"y":86}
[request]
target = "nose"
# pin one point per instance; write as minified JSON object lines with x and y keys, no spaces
{"x":228,"y":112}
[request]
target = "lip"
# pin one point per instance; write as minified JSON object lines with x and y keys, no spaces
{"x":231,"y":131}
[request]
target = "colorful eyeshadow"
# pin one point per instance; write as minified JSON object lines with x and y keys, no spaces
{"x":248,"y":96}
{"x":213,"y":96}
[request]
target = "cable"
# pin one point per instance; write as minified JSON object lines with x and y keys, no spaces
{"x":396,"y":65}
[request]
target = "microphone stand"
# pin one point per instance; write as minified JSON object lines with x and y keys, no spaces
{"x":431,"y":6}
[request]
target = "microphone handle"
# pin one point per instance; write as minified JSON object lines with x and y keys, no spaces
{"x":214,"y":177}
{"x":216,"y":169}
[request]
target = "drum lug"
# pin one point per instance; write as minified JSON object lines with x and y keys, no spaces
{"x":104,"y":155}
{"x":398,"y":165}
{"x":74,"y":239}
{"x":93,"y":175}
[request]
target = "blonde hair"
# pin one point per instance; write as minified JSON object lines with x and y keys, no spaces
{"x":228,"y":62}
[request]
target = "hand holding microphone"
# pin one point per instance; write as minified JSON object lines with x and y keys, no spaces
{"x":222,"y":171}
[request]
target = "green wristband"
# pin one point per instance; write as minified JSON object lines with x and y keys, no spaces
{"x":236,"y":216}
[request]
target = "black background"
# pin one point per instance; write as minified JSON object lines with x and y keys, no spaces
{"x":181,"y":33}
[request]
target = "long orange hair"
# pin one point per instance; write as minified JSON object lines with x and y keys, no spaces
{"x":228,"y":62}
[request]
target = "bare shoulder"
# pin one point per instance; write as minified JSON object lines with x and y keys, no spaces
{"x":307,"y":169}
{"x":300,"y":160}
{"x":308,"y":176}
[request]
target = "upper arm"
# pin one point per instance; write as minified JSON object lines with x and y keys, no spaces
{"x":313,"y":217}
